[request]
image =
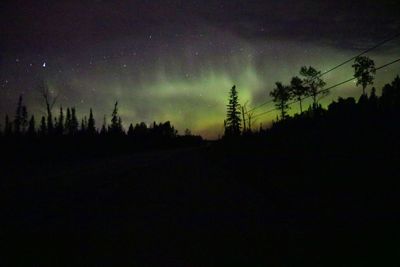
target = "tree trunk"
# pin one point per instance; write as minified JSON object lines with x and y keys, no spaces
{"x":244,"y":121}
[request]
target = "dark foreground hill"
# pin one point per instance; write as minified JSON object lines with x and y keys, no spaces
{"x":204,"y":206}
{"x":319,"y":189}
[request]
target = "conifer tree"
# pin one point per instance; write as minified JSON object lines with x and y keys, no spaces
{"x":24,"y":119}
{"x":83,"y":126}
{"x":116,"y":123}
{"x":60,"y":123}
{"x":130,"y":130}
{"x":43,"y":126}
{"x":91,"y":129}
{"x":67,"y":125}
{"x":74,"y":122}
{"x":233,"y":121}
{"x":18,"y":117}
{"x":103,"y":130}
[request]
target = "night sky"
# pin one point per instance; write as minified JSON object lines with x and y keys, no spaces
{"x":176,"y":60}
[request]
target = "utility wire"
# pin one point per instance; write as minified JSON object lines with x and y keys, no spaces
{"x":362,"y":53}
{"x":338,"y":66}
{"x":324,"y":90}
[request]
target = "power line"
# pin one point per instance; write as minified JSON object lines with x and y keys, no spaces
{"x":338,"y":66}
{"x":259,"y":106}
{"x":362,"y":53}
{"x":324,"y":90}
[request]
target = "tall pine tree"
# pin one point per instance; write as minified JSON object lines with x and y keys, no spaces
{"x":91,"y":129}
{"x":24,"y":119}
{"x":233,"y":122}
{"x":74,"y":123}
{"x":18,"y":117}
{"x":43,"y":126}
{"x":116,"y":123}
{"x":60,"y":123}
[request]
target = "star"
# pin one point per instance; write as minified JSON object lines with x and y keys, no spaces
{"x":44,"y":65}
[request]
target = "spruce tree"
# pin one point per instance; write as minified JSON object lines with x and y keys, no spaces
{"x":24,"y":119}
{"x":233,"y":122}
{"x":91,"y":129}
{"x":83,"y":126}
{"x":116,"y":123}
{"x":60,"y":123}
{"x":43,"y":126}
{"x":50,"y":124}
{"x":103,"y":130}
{"x":74,"y":122}
{"x":130,"y":130}
{"x":67,"y":125}
{"x":18,"y":117}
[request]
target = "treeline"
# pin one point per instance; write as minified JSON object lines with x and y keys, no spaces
{"x":351,"y":128}
{"x":66,"y":123}
{"x":309,"y":85}
{"x":65,"y":137}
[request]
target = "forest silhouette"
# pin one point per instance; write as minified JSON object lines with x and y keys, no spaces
{"x":317,"y":188}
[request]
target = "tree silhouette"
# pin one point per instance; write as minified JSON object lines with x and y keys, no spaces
{"x":24,"y":119}
{"x":313,"y":82}
{"x":18,"y":117}
{"x":31,"y":127}
{"x":83,"y":127}
{"x":140,"y":130}
{"x":91,"y":128}
{"x":60,"y":123}
{"x":390,"y":99}
{"x":116,"y":122}
{"x":7,"y":126}
{"x":364,"y":70}
{"x":43,"y":126}
{"x":233,"y":122}
{"x":281,"y":96}
{"x":298,"y":90}
{"x":49,"y":102}
{"x":67,"y":125}
{"x":103,"y":130}
{"x":73,"y":127}
{"x":131,"y":130}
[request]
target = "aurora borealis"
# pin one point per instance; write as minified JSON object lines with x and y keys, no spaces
{"x":177,"y":60}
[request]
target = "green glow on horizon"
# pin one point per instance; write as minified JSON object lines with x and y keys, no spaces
{"x":192,"y":91}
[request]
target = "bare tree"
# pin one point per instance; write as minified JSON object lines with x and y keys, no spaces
{"x":50,"y":101}
{"x":247,"y":117}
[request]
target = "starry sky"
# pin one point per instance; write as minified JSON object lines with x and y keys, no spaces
{"x":177,"y":60}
